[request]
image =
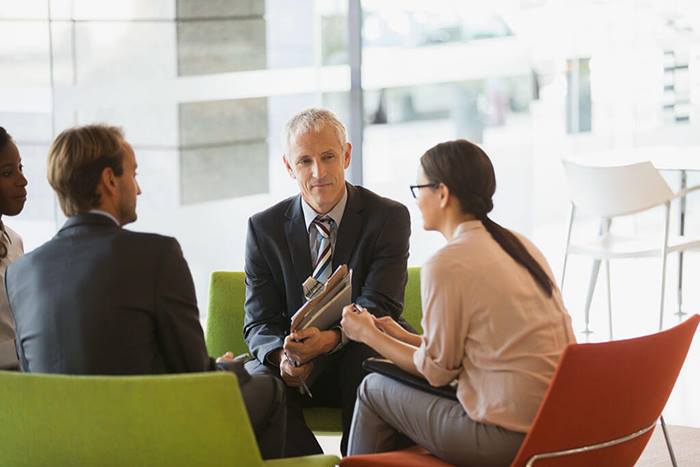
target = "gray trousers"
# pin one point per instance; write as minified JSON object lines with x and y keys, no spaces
{"x":390,"y":415}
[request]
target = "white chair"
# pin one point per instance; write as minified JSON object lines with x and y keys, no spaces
{"x":608,"y":192}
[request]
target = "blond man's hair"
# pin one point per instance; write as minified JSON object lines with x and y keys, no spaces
{"x":77,"y":158}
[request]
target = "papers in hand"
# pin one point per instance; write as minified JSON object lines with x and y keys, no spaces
{"x":325,"y":307}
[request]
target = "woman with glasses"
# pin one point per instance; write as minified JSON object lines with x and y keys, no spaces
{"x":493,"y":321}
{"x":13,"y":194}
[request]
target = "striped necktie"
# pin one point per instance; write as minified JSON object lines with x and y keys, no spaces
{"x":322,"y":268}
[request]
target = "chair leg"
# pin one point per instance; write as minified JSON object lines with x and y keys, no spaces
{"x":681,"y":232}
{"x":591,"y":288}
{"x":664,"y":260}
{"x":566,"y":250}
{"x":668,"y":442}
{"x":607,"y":275}
{"x":663,"y":293}
{"x":680,"y":311}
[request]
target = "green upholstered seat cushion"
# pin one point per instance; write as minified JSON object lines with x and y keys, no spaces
{"x":225,"y":329}
{"x":169,"y":420}
{"x":323,"y":419}
{"x":227,"y":297}
{"x":411,"y":300}
{"x":306,"y":461}
{"x":225,"y":316}
{"x":225,"y":333}
{"x":178,"y":420}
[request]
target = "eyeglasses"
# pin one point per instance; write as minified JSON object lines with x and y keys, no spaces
{"x":418,"y":187}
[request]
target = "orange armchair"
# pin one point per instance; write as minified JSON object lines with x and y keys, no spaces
{"x":600,"y":409}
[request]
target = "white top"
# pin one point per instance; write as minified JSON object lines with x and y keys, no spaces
{"x":489,"y":325}
{"x":15,"y":249}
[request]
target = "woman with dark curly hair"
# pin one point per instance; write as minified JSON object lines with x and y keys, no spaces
{"x":13,"y":194}
{"x":494,"y":326}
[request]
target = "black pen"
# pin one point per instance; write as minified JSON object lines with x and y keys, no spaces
{"x":304,"y":387}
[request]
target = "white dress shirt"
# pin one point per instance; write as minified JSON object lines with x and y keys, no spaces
{"x":336,"y":214}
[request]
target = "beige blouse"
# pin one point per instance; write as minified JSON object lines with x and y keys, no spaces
{"x":15,"y":249}
{"x":490,"y":326}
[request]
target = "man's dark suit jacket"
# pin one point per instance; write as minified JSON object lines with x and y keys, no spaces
{"x":98,"y":299}
{"x":372,"y":240}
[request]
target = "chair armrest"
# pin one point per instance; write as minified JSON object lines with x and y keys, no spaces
{"x":685,"y":191}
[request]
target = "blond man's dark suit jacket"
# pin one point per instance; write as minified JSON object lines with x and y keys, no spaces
{"x":99,"y":299}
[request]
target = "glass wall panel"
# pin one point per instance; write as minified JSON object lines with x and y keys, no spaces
{"x":532,"y":82}
{"x":455,"y":71}
{"x":201,"y":89}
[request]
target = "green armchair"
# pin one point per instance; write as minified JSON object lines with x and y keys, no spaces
{"x":412,"y":306}
{"x":166,"y":420}
{"x":225,"y":330}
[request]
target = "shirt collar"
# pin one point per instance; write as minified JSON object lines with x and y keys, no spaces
{"x":336,"y":213}
{"x":106,"y":214}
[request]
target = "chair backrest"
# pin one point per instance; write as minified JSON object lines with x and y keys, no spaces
{"x":225,"y":314}
{"x":412,"y":306}
{"x":227,"y":297}
{"x":604,"y":391}
{"x":616,"y":191}
{"x":169,"y":420}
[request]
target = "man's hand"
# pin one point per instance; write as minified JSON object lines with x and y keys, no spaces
{"x":293,"y":375}
{"x":227,"y":357}
{"x":307,"y":344}
{"x":357,"y":323}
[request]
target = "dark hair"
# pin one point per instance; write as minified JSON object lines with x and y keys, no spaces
{"x":4,"y":138}
{"x":76,"y":160}
{"x":467,"y":172}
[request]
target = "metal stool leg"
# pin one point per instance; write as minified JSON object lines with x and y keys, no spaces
{"x":680,"y":311}
{"x":681,"y":232}
{"x":591,"y":288}
{"x":664,"y":258}
{"x":607,"y":275}
{"x":668,"y":442}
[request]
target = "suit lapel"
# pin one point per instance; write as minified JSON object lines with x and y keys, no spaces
{"x":298,"y":240}
{"x":350,"y":228}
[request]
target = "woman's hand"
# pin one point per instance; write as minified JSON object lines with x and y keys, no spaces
{"x":357,"y":323}
{"x":389,"y":326}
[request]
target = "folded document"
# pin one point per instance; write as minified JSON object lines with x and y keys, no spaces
{"x":325,"y":307}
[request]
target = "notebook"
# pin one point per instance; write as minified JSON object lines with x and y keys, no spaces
{"x":390,"y":369}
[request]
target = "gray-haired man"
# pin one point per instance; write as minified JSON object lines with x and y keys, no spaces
{"x":330,"y":222}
